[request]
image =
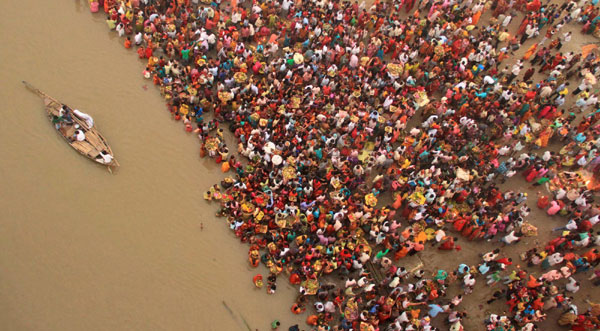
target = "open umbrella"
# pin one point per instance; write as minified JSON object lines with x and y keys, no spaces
{"x":298,"y":58}
{"x":276,"y":159}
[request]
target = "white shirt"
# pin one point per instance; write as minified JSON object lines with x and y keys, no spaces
{"x":519,"y":146}
{"x":469,"y":280}
{"x":503,"y":150}
{"x":106,"y":158}
{"x":488,"y":80}
{"x":591,"y":101}
{"x":572,"y":285}
{"x":329,"y":307}
{"x":79,"y":135}
{"x":571,"y":225}
{"x":510,"y":238}
{"x":138,"y":38}
{"x":546,"y":156}
{"x":581,"y":201}
{"x":516,"y":69}
{"x":530,"y":31}
{"x":439,"y":235}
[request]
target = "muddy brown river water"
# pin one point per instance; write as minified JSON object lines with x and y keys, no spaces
{"x":81,"y":249}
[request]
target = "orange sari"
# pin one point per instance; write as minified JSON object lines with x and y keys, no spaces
{"x":475,"y":18}
{"x":530,"y":51}
{"x":544,"y":137}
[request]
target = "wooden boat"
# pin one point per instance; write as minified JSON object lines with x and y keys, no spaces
{"x":68,"y":123}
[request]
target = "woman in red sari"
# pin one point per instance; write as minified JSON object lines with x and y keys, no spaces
{"x":476,"y":234}
{"x":467,"y":230}
{"x":459,"y":223}
{"x":532,"y":174}
{"x":523,"y":25}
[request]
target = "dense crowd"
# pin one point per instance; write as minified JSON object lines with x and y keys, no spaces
{"x":331,"y":176}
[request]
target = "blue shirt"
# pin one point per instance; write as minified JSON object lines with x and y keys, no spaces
{"x":434,"y":310}
{"x":319,"y":153}
{"x":484,"y":268}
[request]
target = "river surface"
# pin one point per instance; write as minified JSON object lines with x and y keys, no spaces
{"x":81,"y":249}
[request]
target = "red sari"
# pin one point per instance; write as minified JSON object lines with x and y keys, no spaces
{"x":467,"y":230}
{"x":531,"y":176}
{"x":534,"y":5}
{"x":459,"y":224}
{"x":523,"y":26}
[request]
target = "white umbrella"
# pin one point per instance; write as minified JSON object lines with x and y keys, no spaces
{"x":298,"y":58}
{"x":276,"y":159}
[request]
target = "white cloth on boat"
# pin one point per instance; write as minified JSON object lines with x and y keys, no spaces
{"x":89,"y":121}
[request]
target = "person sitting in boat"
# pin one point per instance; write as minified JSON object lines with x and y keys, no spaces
{"x":79,"y":135}
{"x":89,"y":121}
{"x":64,"y":116}
{"x":104,"y":157}
{"x":57,"y":121}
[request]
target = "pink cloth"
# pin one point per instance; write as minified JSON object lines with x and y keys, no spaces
{"x":554,"y":208}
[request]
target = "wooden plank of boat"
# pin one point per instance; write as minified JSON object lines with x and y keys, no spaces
{"x":94,"y":143}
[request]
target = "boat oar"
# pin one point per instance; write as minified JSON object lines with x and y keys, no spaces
{"x":31,"y":87}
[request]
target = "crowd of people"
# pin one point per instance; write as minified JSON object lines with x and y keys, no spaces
{"x":369,"y":132}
